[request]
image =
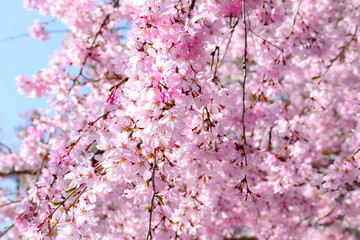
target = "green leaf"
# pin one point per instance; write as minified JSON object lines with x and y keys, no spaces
{"x":127,"y":128}
{"x":69,"y":190}
{"x":160,"y":199}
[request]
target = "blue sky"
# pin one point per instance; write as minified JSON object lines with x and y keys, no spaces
{"x":20,"y":56}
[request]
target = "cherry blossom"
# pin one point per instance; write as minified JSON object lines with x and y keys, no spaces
{"x":205,"y":120}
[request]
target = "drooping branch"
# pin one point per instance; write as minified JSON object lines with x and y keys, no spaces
{"x":92,"y":45}
{"x":6,"y":230}
{"x":233,"y":24}
{"x":294,"y":20}
{"x":322,"y":217}
{"x":192,"y":5}
{"x":9,"y":203}
{"x":71,"y":146}
{"x":267,"y":41}
{"x":243,"y":137}
{"x":72,"y":204}
{"x":149,"y":235}
{"x":341,"y":57}
{"x":6,"y":147}
{"x":352,"y":157}
{"x":20,"y":172}
{"x":25,"y":35}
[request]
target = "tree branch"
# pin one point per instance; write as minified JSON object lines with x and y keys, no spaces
{"x":232,"y":27}
{"x":6,"y":230}
{"x":9,"y":203}
{"x":244,"y":81}
{"x":191,"y":7}
{"x":294,"y":21}
{"x":92,"y":45}
{"x":149,"y":236}
{"x":6,"y":147}
{"x":30,"y":172}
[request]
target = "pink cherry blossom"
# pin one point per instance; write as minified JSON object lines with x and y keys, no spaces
{"x":204,"y":120}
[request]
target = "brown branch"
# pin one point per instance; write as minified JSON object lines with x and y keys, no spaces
{"x":20,"y":172}
{"x":7,"y":229}
{"x":217,"y":53}
{"x":322,"y":217}
{"x":294,"y":21}
{"x":6,"y":147}
{"x":41,"y":167}
{"x":70,"y":204}
{"x":149,"y":236}
{"x":63,"y":202}
{"x":90,"y":124}
{"x":232,"y":27}
{"x":267,"y":41}
{"x":244,"y":81}
{"x":352,"y":157}
{"x":72,"y":145}
{"x":341,"y":54}
{"x":119,"y":84}
{"x":191,"y":7}
{"x":9,"y":203}
{"x":92,"y":45}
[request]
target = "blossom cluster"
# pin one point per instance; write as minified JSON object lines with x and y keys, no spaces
{"x":207,"y":120}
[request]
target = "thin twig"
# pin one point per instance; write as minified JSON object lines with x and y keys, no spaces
{"x":39,"y":171}
{"x":70,"y":204}
{"x":342,"y":52}
{"x":119,"y":84}
{"x":232,"y":27}
{"x":322,"y":217}
{"x":332,"y":61}
{"x":9,"y":203}
{"x":24,"y":35}
{"x":352,"y":157}
{"x":267,"y":41}
{"x":294,"y":21}
{"x":5,"y":146}
{"x":7,"y":229}
{"x":191,"y":7}
{"x":30,"y":172}
{"x":72,"y":145}
{"x":63,"y":202}
{"x":90,"y":124}
{"x":92,"y":45}
{"x":244,"y":81}
{"x":149,"y":236}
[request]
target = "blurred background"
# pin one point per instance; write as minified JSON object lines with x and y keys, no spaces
{"x":21,"y":54}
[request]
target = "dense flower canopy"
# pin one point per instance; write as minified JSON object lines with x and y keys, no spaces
{"x":208,"y":119}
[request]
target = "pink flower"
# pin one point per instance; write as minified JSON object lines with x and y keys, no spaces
{"x":37,"y":31}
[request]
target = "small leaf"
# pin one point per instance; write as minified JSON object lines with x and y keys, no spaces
{"x":160,"y":199}
{"x":69,"y":190}
{"x":316,"y":77}
{"x":127,"y":128}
